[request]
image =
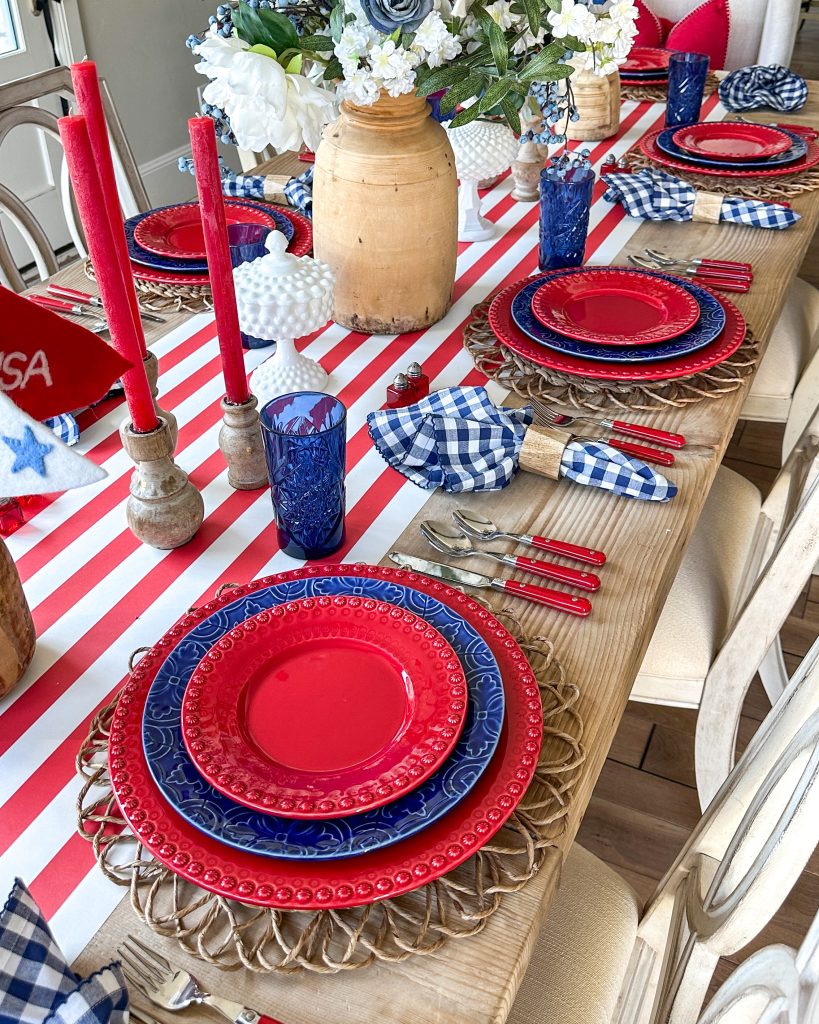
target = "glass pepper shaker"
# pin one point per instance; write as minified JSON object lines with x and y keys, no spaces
{"x":399,"y":393}
{"x":609,"y":164}
{"x":418,"y":381}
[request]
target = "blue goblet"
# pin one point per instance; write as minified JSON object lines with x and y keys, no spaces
{"x":686,"y":83}
{"x":246,"y":243}
{"x":305,"y":442}
{"x":565,"y":201}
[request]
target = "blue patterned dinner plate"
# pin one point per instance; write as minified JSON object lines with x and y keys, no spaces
{"x":150,"y":259}
{"x":708,"y":327}
{"x":231,"y":823}
{"x":666,"y":143}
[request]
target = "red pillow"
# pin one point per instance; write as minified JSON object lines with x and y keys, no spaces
{"x":703,"y":30}
{"x":649,"y":30}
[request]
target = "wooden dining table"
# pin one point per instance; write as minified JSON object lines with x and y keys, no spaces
{"x":474,"y":980}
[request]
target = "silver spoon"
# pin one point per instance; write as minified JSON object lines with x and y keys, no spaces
{"x":449,"y":540}
{"x":481,"y":528}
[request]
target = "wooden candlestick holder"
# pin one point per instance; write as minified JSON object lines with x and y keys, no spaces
{"x":165,"y":510}
{"x":240,"y":441}
{"x":152,"y":372}
{"x":17,"y":637}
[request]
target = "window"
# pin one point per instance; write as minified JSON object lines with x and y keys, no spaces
{"x":9,"y":38}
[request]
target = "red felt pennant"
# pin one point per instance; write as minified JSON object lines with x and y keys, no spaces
{"x":50,"y":365}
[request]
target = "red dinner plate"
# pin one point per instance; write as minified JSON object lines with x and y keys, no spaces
{"x":318,"y":711}
{"x":300,"y":245}
{"x":643,"y":81}
{"x":351,"y":881}
{"x":177,"y":231}
{"x":646,"y":58}
{"x":509,"y":334}
{"x":648,"y":146}
{"x":731,"y":140}
{"x":611,"y":307}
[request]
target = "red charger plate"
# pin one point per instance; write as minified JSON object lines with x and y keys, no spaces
{"x":178,"y":231}
{"x":614,"y":307}
{"x":351,"y":881}
{"x":731,"y":140}
{"x":309,"y":710}
{"x":648,"y":146}
{"x":509,"y":334}
{"x":646,"y":58}
{"x":643,"y":81}
{"x":300,"y":245}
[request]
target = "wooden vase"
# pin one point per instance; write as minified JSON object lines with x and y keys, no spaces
{"x":597,"y":99}
{"x":385,"y":215}
{"x":17,"y":637}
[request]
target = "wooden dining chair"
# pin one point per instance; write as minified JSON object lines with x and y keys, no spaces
{"x":598,"y":960}
{"x":19,"y":106}
{"x":745,"y":566}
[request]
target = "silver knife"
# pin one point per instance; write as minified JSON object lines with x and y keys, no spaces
{"x":463,"y":577}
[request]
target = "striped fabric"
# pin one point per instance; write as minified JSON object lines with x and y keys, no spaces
{"x":96,"y":594}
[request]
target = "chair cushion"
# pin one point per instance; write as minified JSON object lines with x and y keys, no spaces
{"x":705,"y":29}
{"x":583,"y":950}
{"x":793,"y":341}
{"x":649,"y":30}
{"x":704,"y":595}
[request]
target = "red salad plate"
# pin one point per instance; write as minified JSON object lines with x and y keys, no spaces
{"x":646,"y":58}
{"x":318,"y":711}
{"x":648,"y":146}
{"x":626,"y":80}
{"x":610,"y":307}
{"x":351,"y":881}
{"x":732,"y":140}
{"x":177,"y":231}
{"x":300,"y":245}
{"x":510,"y":335}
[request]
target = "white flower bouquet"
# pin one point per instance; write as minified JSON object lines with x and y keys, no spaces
{"x":276,"y":70}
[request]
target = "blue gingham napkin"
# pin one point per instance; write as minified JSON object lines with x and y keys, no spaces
{"x":65,"y":427}
{"x":761,"y":85}
{"x":36,"y":984}
{"x":657,"y":195}
{"x":457,"y":439}
{"x":299,"y":190}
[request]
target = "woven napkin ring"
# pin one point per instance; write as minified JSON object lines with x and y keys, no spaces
{"x":542,"y":450}
{"x":707,"y":206}
{"x":274,"y":188}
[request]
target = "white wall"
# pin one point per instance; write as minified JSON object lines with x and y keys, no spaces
{"x":139,"y":46}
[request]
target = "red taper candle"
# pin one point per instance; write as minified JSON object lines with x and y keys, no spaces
{"x":89,"y":100}
{"x":212,"y":204}
{"x":108,"y":270}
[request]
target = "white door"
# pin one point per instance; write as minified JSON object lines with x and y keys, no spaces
{"x":29,"y":160}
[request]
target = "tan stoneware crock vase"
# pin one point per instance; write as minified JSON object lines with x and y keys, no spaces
{"x":385,"y":215}
{"x":17,"y":638}
{"x":597,"y":99}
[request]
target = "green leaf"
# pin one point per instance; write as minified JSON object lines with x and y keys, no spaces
{"x":554,"y":5}
{"x":295,"y":64}
{"x":265,"y":51}
{"x":494,"y":94}
{"x":464,"y":90}
{"x":533,"y":10}
{"x":337,"y":22}
{"x":538,"y":64}
{"x":442,"y":78}
{"x":497,"y":42}
{"x":247,"y":24}
{"x":333,"y":70}
{"x":465,"y":116}
{"x":554,"y":73}
{"x":316,"y":44}
{"x":571,"y":43}
{"x":279,"y":28}
{"x":510,"y":112}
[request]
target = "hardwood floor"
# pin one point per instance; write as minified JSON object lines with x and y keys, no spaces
{"x":645,"y":804}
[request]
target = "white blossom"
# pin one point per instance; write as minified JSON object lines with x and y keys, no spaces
{"x":501,"y":13}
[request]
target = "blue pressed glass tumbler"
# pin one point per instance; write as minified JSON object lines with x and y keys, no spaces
{"x":305,"y":442}
{"x":246,"y":243}
{"x":686,"y":83}
{"x":565,"y":201}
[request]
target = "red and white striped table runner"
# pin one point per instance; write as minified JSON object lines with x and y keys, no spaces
{"x":96,"y":594}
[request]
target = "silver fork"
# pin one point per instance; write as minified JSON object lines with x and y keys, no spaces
{"x":172,"y":989}
{"x":665,"y":437}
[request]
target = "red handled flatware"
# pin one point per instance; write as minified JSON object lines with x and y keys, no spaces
{"x":451,"y":541}
{"x":84,"y":299}
{"x":664,"y":437}
{"x":480,"y":528}
{"x":639,"y":451}
{"x":695,"y":261}
{"x":570,"y":603}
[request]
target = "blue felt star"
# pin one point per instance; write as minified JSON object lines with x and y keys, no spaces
{"x":28,"y":452}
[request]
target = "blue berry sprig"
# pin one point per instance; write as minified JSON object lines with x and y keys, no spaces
{"x":563,"y":167}
{"x":555,"y":105}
